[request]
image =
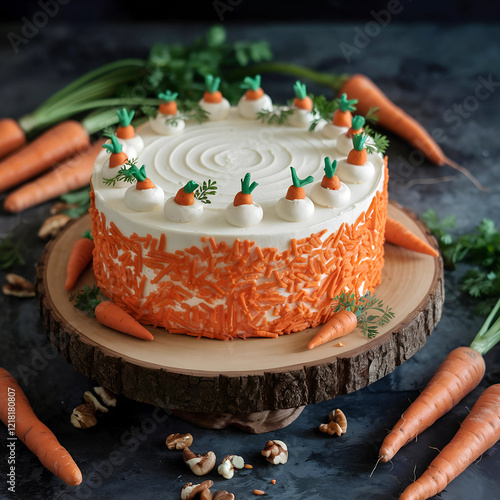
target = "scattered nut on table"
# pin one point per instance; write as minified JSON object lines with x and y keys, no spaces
{"x":17,"y":286}
{"x":107,"y":397}
{"x":229,"y":464}
{"x":83,"y":416}
{"x":52,"y":225}
{"x":276,"y":452}
{"x":190,"y":490}
{"x":92,"y":400}
{"x":199,"y":464}
{"x":223,"y":495}
{"x":179,"y":441}
{"x":337,"y":424}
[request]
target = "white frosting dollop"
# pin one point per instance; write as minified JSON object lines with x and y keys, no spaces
{"x":331,"y":131}
{"x":144,"y":200}
{"x":216,"y":110}
{"x":248,"y":108}
{"x":355,"y":174}
{"x":159,"y":125}
{"x":132,"y":147}
{"x":295,"y":210}
{"x":301,"y":118}
{"x":243,"y":215}
{"x":182,"y":213}
{"x":330,"y":198}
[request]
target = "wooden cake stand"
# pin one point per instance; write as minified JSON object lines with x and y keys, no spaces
{"x":256,"y":384}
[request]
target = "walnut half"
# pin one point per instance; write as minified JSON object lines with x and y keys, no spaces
{"x":276,"y":452}
{"x":337,"y":424}
{"x":83,"y":416}
{"x":179,"y":441}
{"x":199,"y":464}
{"x":190,"y":490}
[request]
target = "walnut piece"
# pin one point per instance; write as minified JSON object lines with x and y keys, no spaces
{"x":337,"y":424}
{"x":276,"y":452}
{"x":83,"y":416}
{"x":179,"y":441}
{"x":107,"y":397}
{"x":199,"y":464}
{"x":228,"y":464}
{"x":223,"y":495}
{"x":52,"y":225}
{"x":92,"y":400}
{"x":17,"y":286}
{"x":190,"y":490}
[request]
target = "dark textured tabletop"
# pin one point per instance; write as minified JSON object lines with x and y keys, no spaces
{"x":433,"y":72}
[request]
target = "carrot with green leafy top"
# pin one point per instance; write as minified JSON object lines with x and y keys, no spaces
{"x":342,"y":116}
{"x":79,"y":258}
{"x":117,"y":156}
{"x":125,"y":128}
{"x":358,"y":122}
{"x":397,"y":234}
{"x":244,"y":197}
{"x":459,"y":374}
{"x":169,"y":107}
{"x":358,"y":154}
{"x":33,"y":433}
{"x":212,"y":94}
{"x":296,"y":190}
{"x":12,"y":136}
{"x":52,"y":146}
{"x":330,"y":180}
{"x":252,"y":86}
{"x":478,"y":433}
{"x":302,"y":100}
{"x":185,"y":195}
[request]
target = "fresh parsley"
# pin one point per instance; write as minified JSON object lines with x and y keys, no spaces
{"x":208,"y":188}
{"x":278,"y":116}
{"x":380,"y":141}
{"x":87,"y":299}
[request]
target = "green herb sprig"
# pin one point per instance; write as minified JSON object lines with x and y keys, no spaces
{"x":364,"y":307}
{"x":87,"y":299}
{"x":381,"y":143}
{"x":208,"y":188}
{"x":10,"y":255}
{"x":278,"y":116}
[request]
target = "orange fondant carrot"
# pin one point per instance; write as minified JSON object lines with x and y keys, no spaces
{"x":212,"y":93}
{"x":117,"y":157}
{"x":185,"y":195}
{"x":358,"y":154}
{"x":252,"y":87}
{"x":342,"y":116}
{"x":125,"y":129}
{"x":358,"y":122}
{"x":33,"y":433}
{"x":169,"y":107}
{"x":302,"y":100}
{"x":397,"y":234}
{"x":296,"y":190}
{"x":343,"y":323}
{"x":330,"y":180}
{"x":244,"y":197}
{"x":396,"y":120}
{"x":79,"y":258}
{"x":52,"y":146}
{"x":110,"y":314}
{"x":12,"y":136}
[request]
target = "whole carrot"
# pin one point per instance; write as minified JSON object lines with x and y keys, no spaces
{"x":12,"y":136}
{"x":399,"y":235}
{"x":79,"y":258}
{"x":71,"y":174}
{"x":460,"y":373}
{"x":33,"y":433}
{"x":393,"y":118}
{"x":479,"y":431}
{"x":112,"y":315}
{"x":52,"y":146}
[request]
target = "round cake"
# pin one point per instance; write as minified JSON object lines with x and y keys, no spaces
{"x":225,"y":270}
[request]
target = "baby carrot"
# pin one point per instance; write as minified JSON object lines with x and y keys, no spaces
{"x":393,"y":118}
{"x":79,"y":258}
{"x":479,"y":432}
{"x":69,"y":175}
{"x":397,"y":234}
{"x":341,"y":324}
{"x":54,"y":145}
{"x":113,"y":316}
{"x":12,"y":136}
{"x":34,"y":434}
{"x":460,"y":372}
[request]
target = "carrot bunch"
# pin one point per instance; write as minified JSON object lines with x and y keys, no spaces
{"x":244,"y":197}
{"x":296,"y":191}
{"x":330,"y":180}
{"x":302,"y":100}
{"x":169,"y":106}
{"x":212,"y":93}
{"x":185,"y":195}
{"x":252,"y":86}
{"x":342,"y":116}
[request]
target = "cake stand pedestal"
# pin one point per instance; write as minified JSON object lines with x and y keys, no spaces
{"x":255,"y":384}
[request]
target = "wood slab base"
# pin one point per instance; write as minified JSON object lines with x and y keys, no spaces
{"x":203,"y":376}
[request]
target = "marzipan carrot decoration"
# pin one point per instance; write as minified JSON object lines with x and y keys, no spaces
{"x":212,"y":94}
{"x":358,"y":155}
{"x":330,"y":180}
{"x":89,"y":300}
{"x":342,"y":116}
{"x":185,"y":195}
{"x":399,"y":235}
{"x":73,"y":173}
{"x":252,"y":86}
{"x":54,"y":145}
{"x":351,"y":313}
{"x":302,"y":100}
{"x":79,"y":258}
{"x":296,"y":190}
{"x":117,"y":157}
{"x":169,"y":107}
{"x":478,"y":433}
{"x":12,"y":136}
{"x":34,"y":434}
{"x":358,"y":122}
{"x":393,"y":118}
{"x":459,"y":374}
{"x":125,"y":128}
{"x":244,"y":197}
